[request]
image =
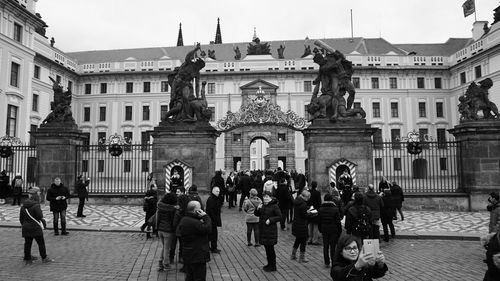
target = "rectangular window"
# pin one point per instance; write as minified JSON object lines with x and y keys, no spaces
{"x":376,"y":109}
{"x":11,"y":128}
{"x":307,"y":116}
{"x":477,"y":71}
{"x":441,"y":138}
{"x":58,"y":79}
{"x":375,"y":83}
{"x":211,"y":88}
{"x":438,"y":83}
{"x":393,"y":82}
{"x":86,"y":141}
{"x":100,"y":166}
{"x":144,"y":141}
{"x":442,"y":164}
{"x":396,"y":138}
{"x":397,"y":164}
{"x":421,"y":110}
{"x":164,"y":86}
{"x":70,"y":86}
{"x":356,"y":82}
{"x":86,"y":114}
{"x":34,"y":105}
{"x":463,"y":79}
{"x":236,"y":137}
{"x":128,"y":113}
{"x":212,"y":117}
{"x":307,"y":86}
{"x":14,"y":74}
{"x":377,"y":139}
{"x":147,"y":87}
{"x":163,"y":112}
{"x":102,"y":113}
{"x":281,"y":136}
{"x":18,"y":32}
{"x":394,"y":110}
{"x":88,"y":89}
{"x":126,"y":166}
{"x":378,"y":164}
{"x":145,"y":166}
{"x":420,"y":82}
{"x":101,"y":141}
{"x":145,"y":112}
{"x":85,"y":166}
{"x":439,"y":109}
{"x":128,"y":138}
{"x":104,"y":88}
{"x":32,"y":138}
{"x":254,"y":150}
{"x":129,"y":87}
{"x":36,"y":72}
{"x":423,"y":133}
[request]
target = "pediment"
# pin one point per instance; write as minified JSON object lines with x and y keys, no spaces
{"x":259,"y":83}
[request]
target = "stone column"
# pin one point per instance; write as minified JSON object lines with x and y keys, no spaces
{"x":478,"y":159}
{"x":193,"y":143}
{"x":327,"y":141}
{"x":57,"y":154}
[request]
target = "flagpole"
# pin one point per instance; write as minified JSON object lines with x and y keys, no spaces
{"x":475,"y":9}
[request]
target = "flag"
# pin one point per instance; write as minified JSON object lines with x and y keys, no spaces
{"x":469,"y":7}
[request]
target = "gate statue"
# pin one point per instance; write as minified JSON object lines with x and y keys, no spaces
{"x":61,"y":106}
{"x":476,"y":99}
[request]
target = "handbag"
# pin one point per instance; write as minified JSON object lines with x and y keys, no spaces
{"x":42,"y":225}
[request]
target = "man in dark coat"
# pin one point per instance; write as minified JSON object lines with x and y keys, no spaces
{"x":57,"y":195}
{"x":244,"y":184}
{"x":299,"y":225}
{"x":315,"y":203}
{"x":218,"y":181}
{"x":213,"y":211}
{"x":4,"y":186}
{"x":81,"y":190}
{"x":269,"y":215}
{"x":386,"y":215}
{"x":283,"y":197}
{"x":330,"y":226}
{"x":398,"y":198}
{"x":300,"y":182}
{"x":373,"y":201}
{"x":194,"y":229}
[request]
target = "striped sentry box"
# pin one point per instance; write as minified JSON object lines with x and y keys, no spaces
{"x":332,"y":171}
{"x":187,"y":173}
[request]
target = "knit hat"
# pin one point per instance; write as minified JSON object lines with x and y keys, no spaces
{"x":33,"y":190}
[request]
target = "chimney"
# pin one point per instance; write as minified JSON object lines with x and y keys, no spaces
{"x":478,"y":29}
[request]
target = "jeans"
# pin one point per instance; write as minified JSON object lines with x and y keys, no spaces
{"x":62,"y":215}
{"x":300,"y":241}
{"x":16,"y":198}
{"x":166,"y":239}
{"x":271,"y":255}
{"x":389,"y":223}
{"x":213,"y":238}
{"x":28,"y":241}
{"x":313,"y":232}
{"x":81,"y":203}
{"x":329,"y":243}
{"x":255,"y":227}
{"x":195,"y":271}
{"x":173,"y":246}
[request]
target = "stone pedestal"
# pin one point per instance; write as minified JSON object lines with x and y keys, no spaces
{"x":56,"y":153}
{"x":347,"y":142}
{"x":191,"y":143}
{"x":479,"y":159}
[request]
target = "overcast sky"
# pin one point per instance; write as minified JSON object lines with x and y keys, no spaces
{"x":79,"y":25}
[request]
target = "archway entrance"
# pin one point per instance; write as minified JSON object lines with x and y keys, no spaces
{"x":259,"y":154}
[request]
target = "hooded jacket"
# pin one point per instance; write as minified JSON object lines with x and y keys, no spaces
{"x":30,"y":228}
{"x":249,"y":206}
{"x":194,"y":232}
{"x":268,"y":234}
{"x":299,"y":225}
{"x":329,"y":219}
{"x":165,"y":216}
{"x":374,"y":202}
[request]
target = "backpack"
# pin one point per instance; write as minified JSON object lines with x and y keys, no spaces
{"x":18,"y":183}
{"x":361,"y":225}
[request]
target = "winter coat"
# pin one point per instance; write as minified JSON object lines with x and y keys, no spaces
{"x":301,"y":216}
{"x":17,"y":190}
{"x":81,"y":188}
{"x":300,"y":182}
{"x":150,"y":204}
{"x":329,"y":219}
{"x":269,"y":187}
{"x":219,"y":182}
{"x":388,"y":211}
{"x":249,"y":206}
{"x":231,"y":184}
{"x":315,"y":202}
{"x":343,"y":270}
{"x":165,"y":217}
{"x":397,"y":196}
{"x":382,"y":185}
{"x":214,"y":209}
{"x":374,"y":202}
{"x":283,"y":196}
{"x":492,"y":272}
{"x":4,"y":186}
{"x":193,"y":196}
{"x":494,"y":225}
{"x":55,"y":191}
{"x":29,"y":227}
{"x":244,"y":184}
{"x":352,"y":214}
{"x":268,"y":234}
{"x":194,"y":232}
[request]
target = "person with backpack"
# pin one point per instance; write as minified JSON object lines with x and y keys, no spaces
{"x":252,"y":221}
{"x":358,"y":220}
{"x":58,"y":195}
{"x":373,"y":201}
{"x":17,"y":189}
{"x":330,"y":226}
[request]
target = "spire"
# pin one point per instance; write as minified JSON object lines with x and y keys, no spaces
{"x":254,"y":33}
{"x":179,"y":37}
{"x":218,"y":36}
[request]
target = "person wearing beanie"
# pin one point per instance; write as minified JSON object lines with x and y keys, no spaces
{"x":17,"y":189}
{"x":252,"y":221}
{"x":269,"y":215}
{"x":358,"y":218}
{"x":330,"y":226}
{"x":33,"y":223}
{"x":57,"y":195}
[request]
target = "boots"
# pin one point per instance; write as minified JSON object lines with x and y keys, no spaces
{"x":63,"y":229}
{"x":56,"y":228}
{"x":302,"y":257}
{"x":294,"y":254}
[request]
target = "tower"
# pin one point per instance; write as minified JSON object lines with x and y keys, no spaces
{"x":179,"y":37}
{"x":218,"y":36}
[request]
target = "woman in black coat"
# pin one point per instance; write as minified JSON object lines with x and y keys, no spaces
{"x":299,"y":225}
{"x":57,"y":195}
{"x":398,"y":198}
{"x":231,"y":190}
{"x":387,"y":213}
{"x":269,"y":215}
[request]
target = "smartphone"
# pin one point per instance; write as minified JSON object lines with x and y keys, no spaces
{"x":371,"y":246}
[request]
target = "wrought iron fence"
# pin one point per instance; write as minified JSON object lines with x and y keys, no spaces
{"x":123,"y":174}
{"x":434,"y":170}
{"x":23,"y":161}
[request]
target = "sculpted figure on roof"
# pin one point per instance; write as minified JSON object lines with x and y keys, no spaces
{"x":476,"y":100}
{"x":281,"y":52}
{"x":61,"y":106}
{"x":185,"y":103}
{"x":258,"y":48}
{"x":334,"y":77}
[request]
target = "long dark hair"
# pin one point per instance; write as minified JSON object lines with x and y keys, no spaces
{"x":344,"y":240}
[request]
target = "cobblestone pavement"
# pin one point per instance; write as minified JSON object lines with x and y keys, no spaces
{"x":92,"y":255}
{"x":129,"y":218}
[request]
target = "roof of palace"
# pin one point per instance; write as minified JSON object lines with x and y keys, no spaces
{"x":293,"y":49}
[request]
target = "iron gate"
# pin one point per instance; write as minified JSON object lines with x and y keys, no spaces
{"x":23,"y":161}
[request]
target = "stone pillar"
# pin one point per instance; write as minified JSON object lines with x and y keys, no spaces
{"x":478,"y":159}
{"x":327,"y":142}
{"x":56,"y":153}
{"x":193,"y":143}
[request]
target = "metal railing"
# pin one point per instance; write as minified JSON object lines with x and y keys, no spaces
{"x":22,"y":161}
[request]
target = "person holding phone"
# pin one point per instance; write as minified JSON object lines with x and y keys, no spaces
{"x":57,"y":195}
{"x":351,"y":263}
{"x":81,"y":190}
{"x":269,"y":215}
